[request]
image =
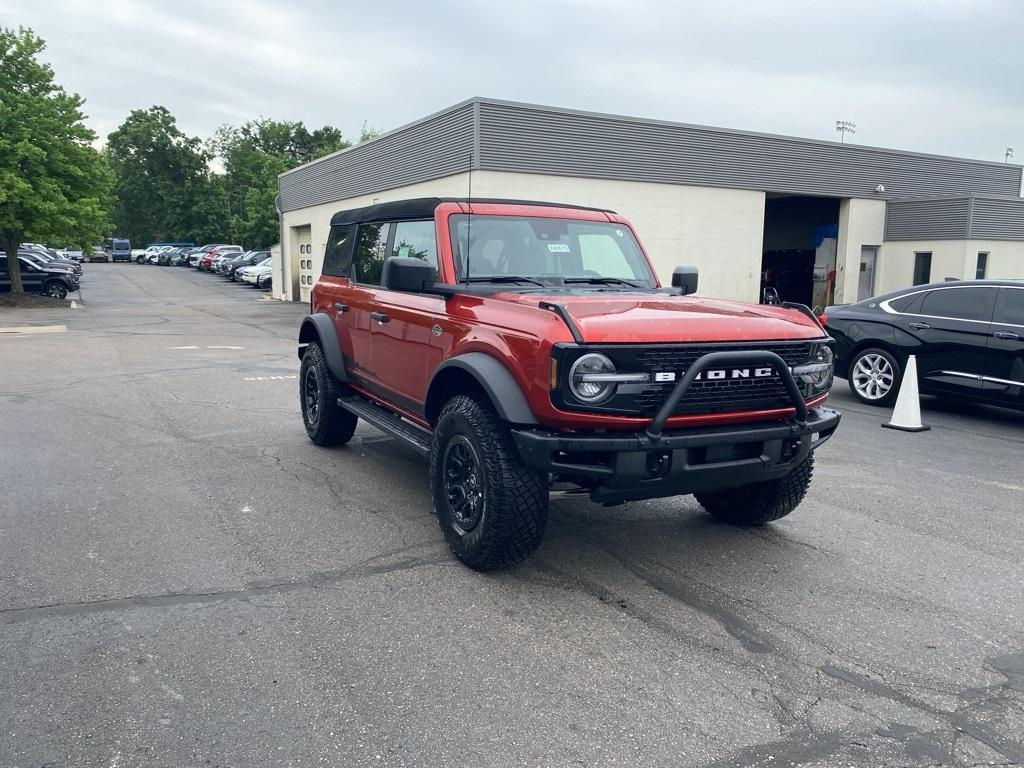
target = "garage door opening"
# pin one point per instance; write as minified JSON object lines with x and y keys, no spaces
{"x":798,"y":261}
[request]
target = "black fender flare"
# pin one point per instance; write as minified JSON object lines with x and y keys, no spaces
{"x":319,"y":327}
{"x":494,"y":378}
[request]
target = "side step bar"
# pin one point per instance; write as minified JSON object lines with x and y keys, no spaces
{"x":391,"y":424}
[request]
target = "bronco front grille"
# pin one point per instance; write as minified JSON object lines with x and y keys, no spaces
{"x":704,"y":396}
{"x":720,"y":395}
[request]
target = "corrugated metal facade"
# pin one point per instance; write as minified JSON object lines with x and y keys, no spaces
{"x":972,"y":217}
{"x":526,"y":138}
{"x":997,"y":218}
{"x":937,"y":219}
{"x":504,"y":136}
{"x":440,"y":145}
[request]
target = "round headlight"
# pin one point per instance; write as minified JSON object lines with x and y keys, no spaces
{"x":585,"y":378}
{"x":823,"y":357}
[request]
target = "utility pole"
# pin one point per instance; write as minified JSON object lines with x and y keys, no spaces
{"x":1008,"y":155}
{"x":844,"y":127}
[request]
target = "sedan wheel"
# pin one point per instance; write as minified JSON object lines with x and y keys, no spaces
{"x":875,"y":377}
{"x":56,"y":291}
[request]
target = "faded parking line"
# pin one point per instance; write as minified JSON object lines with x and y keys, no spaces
{"x":211,"y":346}
{"x":34,"y":329}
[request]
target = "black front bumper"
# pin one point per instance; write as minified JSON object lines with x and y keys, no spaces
{"x":619,"y":467}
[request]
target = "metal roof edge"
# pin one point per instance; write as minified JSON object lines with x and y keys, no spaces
{"x":399,"y":129}
{"x":734,"y":131}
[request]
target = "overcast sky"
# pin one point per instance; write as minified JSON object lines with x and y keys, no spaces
{"x":944,"y":76}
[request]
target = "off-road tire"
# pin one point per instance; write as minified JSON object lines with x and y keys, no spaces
{"x":514,"y":497}
{"x":760,"y":503}
{"x":890,"y":397}
{"x":328,"y":423}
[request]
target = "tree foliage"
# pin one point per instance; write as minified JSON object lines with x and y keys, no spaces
{"x":54,"y":185}
{"x":253,"y":155}
{"x":163,"y":185}
{"x":166,"y":190}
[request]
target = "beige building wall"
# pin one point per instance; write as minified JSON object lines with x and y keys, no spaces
{"x":950,"y":258}
{"x":861,"y":223}
{"x":718,"y":230}
{"x":1005,"y":258}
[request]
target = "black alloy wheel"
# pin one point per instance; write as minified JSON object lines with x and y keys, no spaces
{"x":463,"y":483}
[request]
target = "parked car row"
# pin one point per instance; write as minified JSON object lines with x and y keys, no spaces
{"x":51,"y":276}
{"x":230,"y":261}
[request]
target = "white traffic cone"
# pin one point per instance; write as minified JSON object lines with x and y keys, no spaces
{"x":906,"y":416}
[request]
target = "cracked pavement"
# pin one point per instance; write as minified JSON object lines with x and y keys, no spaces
{"x":186,"y":580}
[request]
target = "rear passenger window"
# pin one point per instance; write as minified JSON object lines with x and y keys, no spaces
{"x":908,"y":305}
{"x":415,"y":240}
{"x":960,"y":303}
{"x":338,"y":254}
{"x":1010,"y":307}
{"x":369,"y":257}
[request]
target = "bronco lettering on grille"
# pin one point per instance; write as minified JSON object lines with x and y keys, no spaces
{"x":722,"y":374}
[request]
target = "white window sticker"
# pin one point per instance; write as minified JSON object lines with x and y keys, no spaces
{"x":558,"y":247}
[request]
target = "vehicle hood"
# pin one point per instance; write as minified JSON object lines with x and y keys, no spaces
{"x":638,"y":318}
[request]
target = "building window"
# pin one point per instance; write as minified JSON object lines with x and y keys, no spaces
{"x":922,"y":267}
{"x":979,"y":272}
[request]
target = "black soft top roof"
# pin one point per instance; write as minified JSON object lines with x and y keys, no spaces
{"x":423,"y":208}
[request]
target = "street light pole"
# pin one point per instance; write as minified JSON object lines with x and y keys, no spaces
{"x":844,"y":127}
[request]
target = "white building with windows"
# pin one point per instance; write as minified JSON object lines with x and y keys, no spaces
{"x":822,"y":222}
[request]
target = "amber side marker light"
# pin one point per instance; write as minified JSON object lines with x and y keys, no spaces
{"x":553,"y":383}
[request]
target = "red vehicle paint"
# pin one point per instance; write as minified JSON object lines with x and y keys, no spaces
{"x":539,"y":327}
{"x":206,"y":263}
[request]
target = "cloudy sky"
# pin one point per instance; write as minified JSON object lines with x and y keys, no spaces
{"x":944,"y":76}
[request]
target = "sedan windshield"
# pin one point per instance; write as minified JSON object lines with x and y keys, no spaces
{"x":548,"y":251}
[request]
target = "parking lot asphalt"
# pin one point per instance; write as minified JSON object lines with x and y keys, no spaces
{"x":186,"y":580}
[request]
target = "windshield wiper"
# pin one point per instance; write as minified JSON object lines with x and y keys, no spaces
{"x":604,"y":281}
{"x":502,"y":279}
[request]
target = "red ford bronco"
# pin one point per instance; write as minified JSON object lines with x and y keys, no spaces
{"x":526,"y":347}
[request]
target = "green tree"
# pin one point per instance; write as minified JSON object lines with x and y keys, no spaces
{"x":253,"y":155}
{"x":54,"y":185}
{"x":162,"y":178}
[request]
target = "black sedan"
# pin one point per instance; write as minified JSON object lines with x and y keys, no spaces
{"x":967,"y":336}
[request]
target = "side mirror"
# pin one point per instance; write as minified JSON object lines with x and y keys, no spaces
{"x":685,"y":279}
{"x":408,"y":274}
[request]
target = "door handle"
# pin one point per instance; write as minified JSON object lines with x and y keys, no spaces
{"x":380,"y":317}
{"x":341,"y":307}
{"x":1007,"y":335}
{"x":920,"y":326}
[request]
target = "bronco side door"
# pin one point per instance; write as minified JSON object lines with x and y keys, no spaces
{"x":407,"y":327}
{"x":334,"y":286}
{"x":350,"y":296}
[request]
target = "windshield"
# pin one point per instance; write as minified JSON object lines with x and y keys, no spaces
{"x":549,"y":251}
